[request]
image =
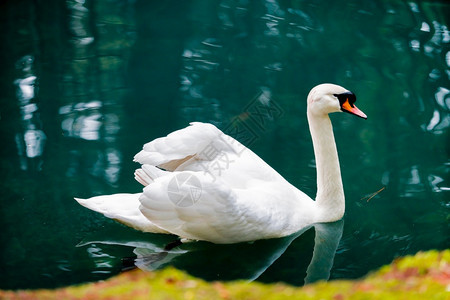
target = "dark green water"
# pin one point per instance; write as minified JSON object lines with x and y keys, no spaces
{"x":85,"y":83}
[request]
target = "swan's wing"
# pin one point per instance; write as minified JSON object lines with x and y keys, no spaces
{"x":123,"y":208}
{"x":179,"y":146}
{"x":192,"y":206}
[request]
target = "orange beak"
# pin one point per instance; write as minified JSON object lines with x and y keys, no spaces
{"x":351,"y":108}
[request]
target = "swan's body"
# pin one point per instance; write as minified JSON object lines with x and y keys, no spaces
{"x":201,"y":184}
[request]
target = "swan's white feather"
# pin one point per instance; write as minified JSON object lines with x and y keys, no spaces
{"x":245,"y":200}
{"x":173,"y":146}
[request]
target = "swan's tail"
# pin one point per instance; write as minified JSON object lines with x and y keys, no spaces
{"x":123,"y":208}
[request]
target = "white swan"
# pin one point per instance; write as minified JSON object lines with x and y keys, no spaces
{"x":201,"y":184}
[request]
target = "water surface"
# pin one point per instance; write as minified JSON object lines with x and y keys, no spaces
{"x":86,"y":83}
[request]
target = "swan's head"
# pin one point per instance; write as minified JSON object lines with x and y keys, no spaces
{"x":328,"y":98}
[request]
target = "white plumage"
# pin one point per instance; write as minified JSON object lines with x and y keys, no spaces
{"x":201,"y":184}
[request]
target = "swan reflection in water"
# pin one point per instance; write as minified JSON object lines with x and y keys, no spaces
{"x":209,"y":261}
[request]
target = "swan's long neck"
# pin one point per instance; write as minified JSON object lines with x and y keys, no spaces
{"x":330,"y":193}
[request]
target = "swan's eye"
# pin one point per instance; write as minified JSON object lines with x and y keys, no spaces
{"x":346,"y":96}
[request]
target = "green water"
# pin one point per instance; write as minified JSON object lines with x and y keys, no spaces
{"x":85,"y":83}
